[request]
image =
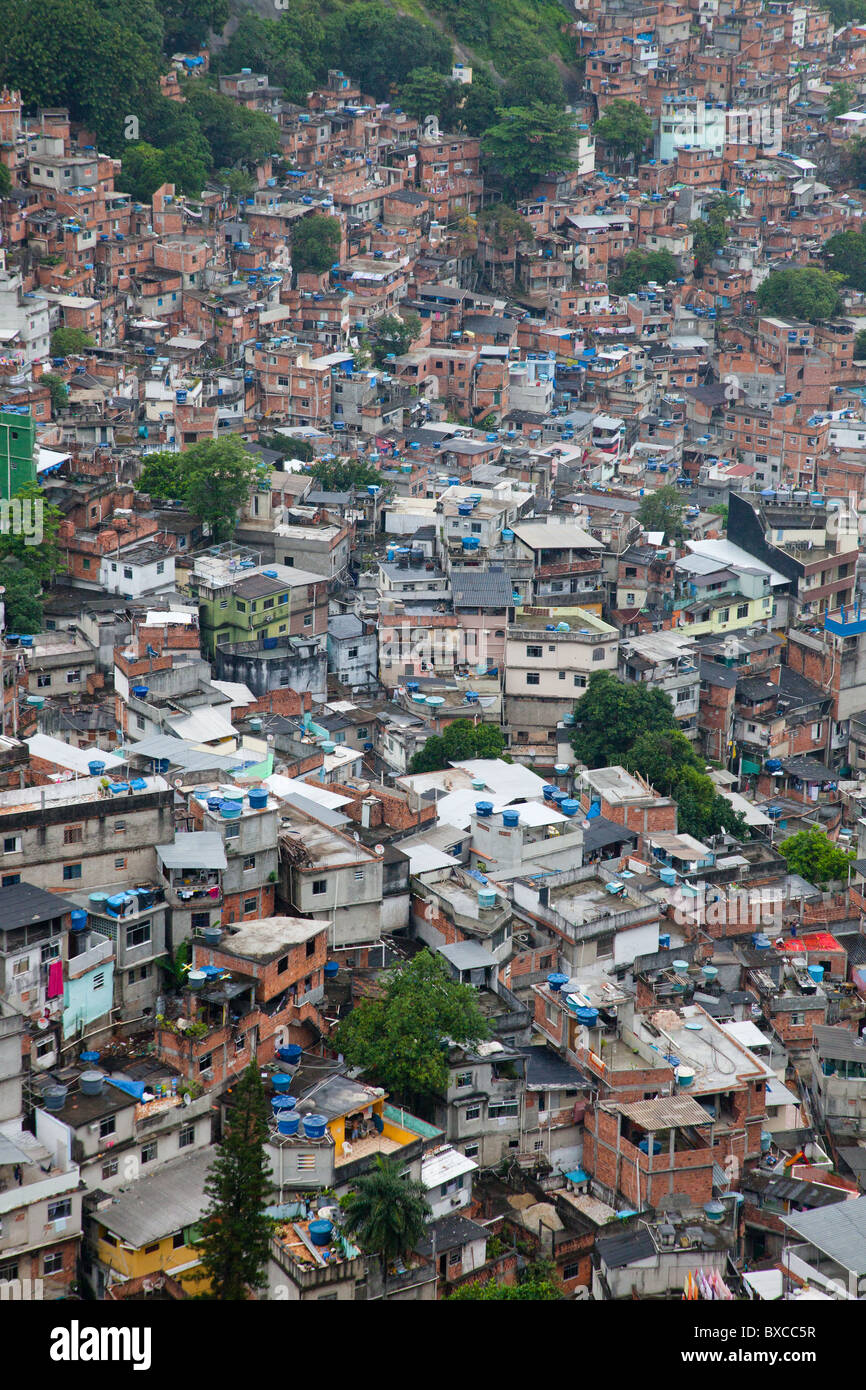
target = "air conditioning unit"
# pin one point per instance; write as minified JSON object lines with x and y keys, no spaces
{"x":457,"y":1201}
{"x":207,"y":1075}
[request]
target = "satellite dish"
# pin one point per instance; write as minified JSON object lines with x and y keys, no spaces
{"x":42,"y":1024}
{"x":587,"y":824}
{"x":355,"y":836}
{"x":187,"y":1098}
{"x":178,"y":782}
{"x":378,"y":849}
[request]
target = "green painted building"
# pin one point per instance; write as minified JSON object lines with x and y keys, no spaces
{"x":17,"y":450}
{"x":253,"y":606}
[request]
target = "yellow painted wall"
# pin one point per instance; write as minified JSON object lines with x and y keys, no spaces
{"x":132,"y":1264}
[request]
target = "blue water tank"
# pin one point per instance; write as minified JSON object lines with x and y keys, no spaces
{"x":556,"y":980}
{"x":78,"y":919}
{"x":279,"y":1104}
{"x":230,"y":810}
{"x":644,"y":1146}
{"x":817,"y":973}
{"x":320,"y":1232}
{"x":117,"y":787}
{"x":315,"y":1126}
{"x":281,"y":1082}
{"x":548,"y":790}
{"x":258,"y":798}
{"x":559,"y":796}
{"x":289,"y":1122}
{"x":214,"y":803}
{"x":714,"y":1211}
{"x":664,"y":942}
{"x":290,"y":1054}
{"x":140,"y":691}
{"x":484,"y":808}
{"x":138,"y":784}
{"x":510,"y":818}
{"x":569,"y":807}
{"x":331,"y":968}
{"x":89,"y":1058}
{"x":588,"y":1017}
{"x":96,"y":768}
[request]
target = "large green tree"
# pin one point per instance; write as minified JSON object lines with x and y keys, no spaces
{"x":668,"y":761}
{"x":639,"y":267}
{"x":528,"y":142}
{"x":235,"y":135}
{"x":801,"y":292}
{"x":386,"y":1213}
{"x":400,"y":1039}
{"x":537,"y":1284}
{"x":392,"y":334}
{"x":235,"y":1232}
{"x":427,"y":92}
{"x":22,"y":600}
{"x":610,"y":715}
{"x":315,"y":243}
{"x":624,"y":126}
{"x":460,"y":741}
{"x":662,"y":510}
{"x":846,"y":253}
{"x":213,"y":478}
{"x":536,"y":80}
{"x":69,"y":342}
{"x":187,"y":22}
{"x":477,"y":111}
{"x":343,"y":475}
{"x":815,"y":857}
{"x":710,"y":232}
{"x":380,"y":47}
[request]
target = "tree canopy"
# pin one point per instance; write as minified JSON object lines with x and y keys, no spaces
{"x":69,"y":342}
{"x":343,"y":475}
{"x":842,"y":97}
{"x":625,"y":126}
{"x":536,"y":80}
{"x":846,"y":253}
{"x":235,"y":1232}
{"x":22,"y":600}
{"x":610,"y":714}
{"x":710,"y":232}
{"x":386,"y":1213}
{"x":528,"y":142}
{"x":815,"y":857}
{"x":504,"y":225}
{"x":801,"y":292}
{"x":400,"y":1039}
{"x":461,"y":740}
{"x":213,"y":478}
{"x":639,"y":267}
{"x":538,"y":1283}
{"x":392,"y":334}
{"x":427,"y":92}
{"x":235,"y":134}
{"x":662,"y":510}
{"x":315,"y":243}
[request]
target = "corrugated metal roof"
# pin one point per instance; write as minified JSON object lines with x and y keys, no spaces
{"x":838,"y":1231}
{"x":619,"y":1250}
{"x":491,"y":588}
{"x":669,"y":1112}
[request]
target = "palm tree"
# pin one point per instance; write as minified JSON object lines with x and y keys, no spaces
{"x":386,"y":1212}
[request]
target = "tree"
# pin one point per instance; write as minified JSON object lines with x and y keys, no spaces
{"x":380,"y":47}
{"x":477,"y":111}
{"x":710,"y":232}
{"x":846,"y":251}
{"x":504,"y":225}
{"x":538,"y":1283}
{"x":21,"y":597}
{"x":218,"y":475}
{"x":625,"y":126}
{"x":286,"y":49}
{"x":392,"y":335}
{"x":45,"y":559}
{"x":533,"y":81}
{"x":427,"y":92}
{"x":609,"y":715}
{"x":386,"y":1213}
{"x":146,"y":168}
{"x":528,"y":142}
{"x":344,"y":475}
{"x":235,"y":1232}
{"x":234,"y":134}
{"x":5,"y":181}
{"x":860,"y":346}
{"x":853,"y":161}
{"x":639,"y":267}
{"x":400,"y":1039}
{"x":461,"y":740}
{"x":801,"y":292}
{"x":187,"y":22}
{"x":815,"y":857}
{"x":162,"y":477}
{"x":290,"y":446}
{"x":662,"y":510}
{"x":720,"y":509}
{"x":69,"y":342}
{"x":59,"y":391}
{"x":315,"y":243}
{"x":842,"y":98}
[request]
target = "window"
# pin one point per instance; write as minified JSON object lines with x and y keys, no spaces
{"x":109,"y":1169}
{"x":743,"y":610}
{"x":160,"y":566}
{"x":52,"y":1263}
{"x":472,"y":1112}
{"x":9,"y":880}
{"x":249,"y":862}
{"x":598,"y":654}
{"x":149,"y":1249}
{"x":139,"y":934}
{"x":320,"y":885}
{"x":177,"y":1240}
{"x":240,"y":1043}
{"x":43,"y":679}
{"x":119,"y":826}
{"x":120,"y":863}
{"x":359,"y":875}
{"x":45,"y":1047}
{"x":9,"y":1271}
{"x":311,"y":946}
{"x":796,"y":1020}
{"x":533,"y":678}
{"x":186,"y":1137}
{"x":502,"y":1109}
{"x":71,"y":871}
{"x":463,"y":1078}
{"x":251,"y":904}
{"x":308,"y":620}
{"x":148,"y":1153}
{"x":306,"y":1163}
{"x":57,"y":1211}
{"x":283,"y":964}
{"x":471,"y":1150}
{"x":571,"y":1271}
{"x":205,"y":1062}
{"x":107,"y":1126}
{"x":200,"y":920}
{"x":73,"y":676}
{"x":533,"y":651}
{"x":455,"y":1257}
{"x":12,"y":844}
{"x":99,"y":980}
